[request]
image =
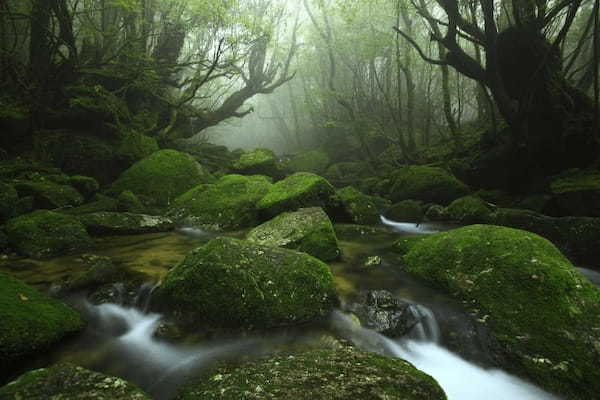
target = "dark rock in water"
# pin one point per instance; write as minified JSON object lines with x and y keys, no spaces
{"x":385,"y":313}
{"x":68,"y":381}
{"x":344,"y":373}
{"x":102,"y":271}
{"x":113,"y":223}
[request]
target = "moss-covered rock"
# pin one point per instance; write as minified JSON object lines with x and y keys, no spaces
{"x":9,"y":199}
{"x":576,"y":193}
{"x":344,"y":373}
{"x":238,"y":284}
{"x":407,"y":211}
{"x":362,"y":209}
{"x":162,"y":177}
{"x":258,"y":162}
{"x":428,"y":184}
{"x":124,"y":223}
{"x":44,"y":233}
{"x":99,"y":203}
{"x":468,"y":209}
{"x":311,"y":161}
{"x":68,"y":381}
{"x":308,"y":230}
{"x":31,"y":322}
{"x":347,"y":173}
{"x":86,"y":185}
{"x":136,"y":146}
{"x":229,"y":204}
{"x":129,"y":202}
{"x":406,"y":242}
{"x":301,"y":190}
{"x":543,"y":313}
{"x":102,"y":271}
{"x":49,"y":195}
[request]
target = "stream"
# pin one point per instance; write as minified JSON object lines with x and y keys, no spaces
{"x":121,"y":339}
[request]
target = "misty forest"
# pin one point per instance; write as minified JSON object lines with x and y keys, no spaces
{"x":300,"y":199}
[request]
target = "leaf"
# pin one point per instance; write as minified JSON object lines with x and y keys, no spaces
{"x":23,"y":297}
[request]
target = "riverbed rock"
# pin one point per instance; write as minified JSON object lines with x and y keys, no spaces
{"x":49,"y":195}
{"x":45,"y":233}
{"x":314,"y":161}
{"x":241,"y":285}
{"x":161,"y":177}
{"x":362,"y":209}
{"x":407,"y":211}
{"x":31,"y":322}
{"x":428,"y":184}
{"x":229,"y":204}
{"x":124,"y":223}
{"x":344,"y":373}
{"x":68,"y":381}
{"x":258,"y":162}
{"x":543,"y":313}
{"x":301,"y":190}
{"x":308,"y":230}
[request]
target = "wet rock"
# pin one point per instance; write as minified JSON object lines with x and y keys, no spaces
{"x":114,"y":223}
{"x":362,"y":209}
{"x":406,"y":211}
{"x":428,"y":184}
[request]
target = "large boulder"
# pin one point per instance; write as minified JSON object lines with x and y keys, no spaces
{"x":258,"y":162}
{"x":311,"y":161}
{"x":124,"y":223}
{"x":229,"y":204}
{"x":344,"y":373}
{"x":308,"y":230}
{"x":161,"y":177}
{"x":238,"y":284}
{"x":31,"y":322}
{"x":407,"y":211}
{"x":469,"y":209}
{"x":45,"y":233}
{"x":428,"y":184}
{"x":49,"y":195}
{"x":68,"y":381}
{"x":362,"y":209}
{"x":301,"y":190}
{"x":543,"y":314}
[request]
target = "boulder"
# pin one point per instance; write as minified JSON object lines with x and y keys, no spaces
{"x":85,"y":185}
{"x":428,"y":184}
{"x":301,"y":190}
{"x":49,"y":195}
{"x":99,"y":203}
{"x":311,"y":161}
{"x":541,"y":311}
{"x":124,"y":223}
{"x":129,"y":202}
{"x":68,"y":381}
{"x":231,"y":203}
{"x":161,"y":177}
{"x":31,"y":322}
{"x":44,"y":233}
{"x":469,"y":209}
{"x":136,"y":146}
{"x":258,"y":162}
{"x":9,"y":199}
{"x":362,"y":209}
{"x":344,"y":373}
{"x":308,"y":230}
{"x":407,"y":211}
{"x":238,"y":284}
{"x":576,"y":193}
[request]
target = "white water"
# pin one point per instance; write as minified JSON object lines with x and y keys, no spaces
{"x":410,"y":227}
{"x":194,"y":232}
{"x":592,"y":275}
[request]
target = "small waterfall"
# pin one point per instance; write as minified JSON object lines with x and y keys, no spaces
{"x":427,"y":329}
{"x":194,"y":232}
{"x":593,"y":276}
{"x":410,"y":227}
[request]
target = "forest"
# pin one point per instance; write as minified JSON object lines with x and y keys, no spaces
{"x":300,"y":199}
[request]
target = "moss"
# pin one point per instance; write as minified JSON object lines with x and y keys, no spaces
{"x":308,"y":230}
{"x":469,"y":209}
{"x":85,"y":185}
{"x":576,"y":180}
{"x":99,"y":203}
{"x":311,"y":161}
{"x":363,"y":209}
{"x":258,"y":162}
{"x":344,"y":373}
{"x":576,"y":193}
{"x":428,"y":184}
{"x":49,"y":195}
{"x":9,"y":199}
{"x":162,"y":176}
{"x":239,"y":284}
{"x":68,"y":381}
{"x":407,"y":211}
{"x":406,"y":243}
{"x":543,"y":313}
{"x":128,"y":201}
{"x":300,"y":190}
{"x":229,"y":204}
{"x":347,"y":173}
{"x":45,"y":234}
{"x":103,"y":271}
{"x":136,"y":146}
{"x":123,"y":223}
{"x":31,"y":322}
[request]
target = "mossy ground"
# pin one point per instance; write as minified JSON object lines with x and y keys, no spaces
{"x":542,"y":311}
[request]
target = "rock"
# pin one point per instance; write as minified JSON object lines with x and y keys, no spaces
{"x":576,"y":193}
{"x":406,"y":242}
{"x":136,"y":146}
{"x":218,"y":159}
{"x":124,"y":223}
{"x":102,"y":271}
{"x":258,"y":162}
{"x":406,"y":211}
{"x":308,"y":230}
{"x":428,"y":184}
{"x":363,"y":209}
{"x":31,"y":322}
{"x":129,"y":202}
{"x":162,"y":177}
{"x":99,"y":203}
{"x":238,"y":284}
{"x":311,"y":161}
{"x":301,"y":190}
{"x":385,"y":313}
{"x":347,"y":173}
{"x":9,"y":199}
{"x":231,"y":203}
{"x":44,"y":233}
{"x":68,"y":381}
{"x":468,"y":209}
{"x":48,"y":195}
{"x":542,"y":312}
{"x":344,"y":373}
{"x":85,"y":185}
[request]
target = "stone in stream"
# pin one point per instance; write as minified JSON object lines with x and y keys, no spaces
{"x":308,"y":230}
{"x":362,"y":208}
{"x":542,"y":312}
{"x":428,"y":184}
{"x":237,"y":284}
{"x":344,"y":373}
{"x":30,"y":322}
{"x":124,"y":223}
{"x":68,"y":381}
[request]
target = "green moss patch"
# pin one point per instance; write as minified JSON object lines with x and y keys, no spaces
{"x":49,"y":195}
{"x":469,"y":209}
{"x":407,"y":211}
{"x":362,"y":209}
{"x":311,"y":161}
{"x":258,"y":162}
{"x":428,"y":184}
